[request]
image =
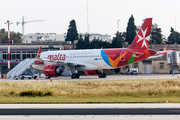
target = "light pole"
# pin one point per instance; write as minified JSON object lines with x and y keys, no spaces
{"x":118,"y":24}
{"x":8,"y":23}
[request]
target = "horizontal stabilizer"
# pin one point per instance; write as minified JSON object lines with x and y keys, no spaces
{"x":163,"y":52}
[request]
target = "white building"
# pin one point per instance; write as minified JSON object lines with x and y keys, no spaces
{"x":44,"y":37}
{"x":92,"y":36}
{"x":48,"y":37}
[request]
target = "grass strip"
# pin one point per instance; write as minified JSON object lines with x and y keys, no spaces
{"x":110,"y":91}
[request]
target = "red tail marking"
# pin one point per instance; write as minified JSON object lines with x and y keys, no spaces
{"x":141,"y":41}
{"x":39,"y":52}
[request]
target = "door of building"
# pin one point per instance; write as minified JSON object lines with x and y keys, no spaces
{"x":148,"y":68}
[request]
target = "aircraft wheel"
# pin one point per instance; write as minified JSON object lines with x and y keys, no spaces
{"x":102,"y":75}
{"x":77,"y":76}
{"x":73,"y":76}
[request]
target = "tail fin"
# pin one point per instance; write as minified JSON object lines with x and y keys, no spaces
{"x":141,"y":41}
{"x":39,"y":53}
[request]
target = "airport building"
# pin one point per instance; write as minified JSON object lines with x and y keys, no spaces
{"x":43,"y":37}
{"x":53,"y":37}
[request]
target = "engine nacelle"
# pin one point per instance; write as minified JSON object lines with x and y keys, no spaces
{"x":52,"y":70}
{"x":92,"y":72}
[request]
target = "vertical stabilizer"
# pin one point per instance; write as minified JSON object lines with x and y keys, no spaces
{"x":141,"y":41}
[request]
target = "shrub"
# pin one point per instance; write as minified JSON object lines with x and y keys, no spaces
{"x":49,"y":93}
{"x":32,"y":93}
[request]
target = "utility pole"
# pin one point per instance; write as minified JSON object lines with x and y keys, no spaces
{"x":8,"y":23}
{"x":87,"y":18}
{"x":175,"y":35}
{"x":118,"y":24}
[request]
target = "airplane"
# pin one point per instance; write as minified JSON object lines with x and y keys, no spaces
{"x":93,"y":61}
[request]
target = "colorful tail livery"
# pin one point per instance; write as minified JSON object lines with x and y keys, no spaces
{"x":137,"y":51}
{"x":57,"y":63}
{"x":141,"y":41}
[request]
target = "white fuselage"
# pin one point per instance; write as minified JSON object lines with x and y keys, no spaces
{"x":91,"y":59}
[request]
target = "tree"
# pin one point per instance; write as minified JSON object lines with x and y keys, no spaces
{"x":156,"y":36}
{"x":80,"y":43}
{"x":16,"y":37}
{"x":97,"y":44}
{"x":72,"y":33}
{"x":117,"y":41}
{"x":130,"y":30}
{"x":174,"y":37}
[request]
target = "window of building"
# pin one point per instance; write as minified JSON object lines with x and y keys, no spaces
{"x":125,"y":67}
{"x":5,"y":56}
{"x":17,"y":56}
{"x":33,"y":55}
{"x":28,"y":55}
{"x":161,"y":65}
{"x":135,"y":65}
{"x":24,"y":56}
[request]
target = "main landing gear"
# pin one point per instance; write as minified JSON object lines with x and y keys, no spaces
{"x":102,"y":75}
{"x":75,"y":76}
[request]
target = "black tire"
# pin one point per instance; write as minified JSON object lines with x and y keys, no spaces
{"x":73,"y":76}
{"x":35,"y":77}
{"x":22,"y":78}
{"x":104,"y":75}
{"x":77,"y":75}
{"x":100,"y":75}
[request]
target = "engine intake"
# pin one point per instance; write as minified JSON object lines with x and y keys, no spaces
{"x":52,"y":70}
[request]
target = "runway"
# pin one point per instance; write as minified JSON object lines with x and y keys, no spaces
{"x":132,"y":111}
{"x":90,"y":109}
{"x":149,"y":111}
{"x":109,"y":77}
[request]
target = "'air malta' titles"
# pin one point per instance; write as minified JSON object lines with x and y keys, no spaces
{"x":57,"y":57}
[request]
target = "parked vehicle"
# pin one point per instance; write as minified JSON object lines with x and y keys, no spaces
{"x":132,"y":71}
{"x":29,"y":74}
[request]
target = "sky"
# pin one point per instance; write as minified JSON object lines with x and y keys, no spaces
{"x":103,"y":15}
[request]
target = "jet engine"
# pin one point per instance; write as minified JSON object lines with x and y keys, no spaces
{"x":52,"y":70}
